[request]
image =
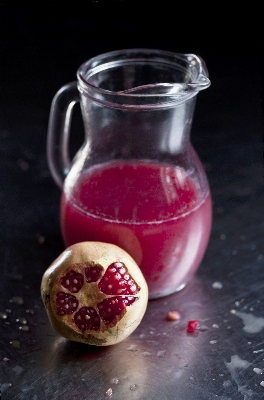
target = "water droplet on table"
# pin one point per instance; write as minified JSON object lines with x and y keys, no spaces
{"x":21,"y":320}
{"x":146,"y":353}
{"x":252,"y":324}
{"x":203,"y":328}
{"x":217,"y":285}
{"x":5,"y":387}
{"x":132,"y":347}
{"x":134,"y":387}
{"x":3,"y":315}
{"x":15,"y":344}
{"x":258,"y":370}
{"x":24,"y":328}
{"x":17,"y":300}
{"x":258,"y":351}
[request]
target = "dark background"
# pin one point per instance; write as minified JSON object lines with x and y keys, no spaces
{"x":43,"y":43}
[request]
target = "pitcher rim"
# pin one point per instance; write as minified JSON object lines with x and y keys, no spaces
{"x":159,"y":94}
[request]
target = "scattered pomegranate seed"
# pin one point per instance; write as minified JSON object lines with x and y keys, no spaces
{"x":41,"y":239}
{"x":109,"y":392}
{"x":22,"y":164}
{"x":192,"y":326}
{"x":173,"y":316}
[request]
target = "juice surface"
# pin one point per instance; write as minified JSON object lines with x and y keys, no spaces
{"x":153,"y":211}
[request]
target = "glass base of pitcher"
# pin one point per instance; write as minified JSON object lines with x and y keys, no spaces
{"x":158,"y":295}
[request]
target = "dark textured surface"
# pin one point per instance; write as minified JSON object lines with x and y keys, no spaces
{"x":159,"y":360}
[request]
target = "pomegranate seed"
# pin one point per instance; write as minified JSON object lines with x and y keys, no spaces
{"x":121,"y":281}
{"x":109,"y":392}
{"x":87,"y":319}
{"x":73,"y":281}
{"x":111,"y":310}
{"x":93,"y":273}
{"x":66,"y":303}
{"x":192,"y":326}
{"x":173,"y":316}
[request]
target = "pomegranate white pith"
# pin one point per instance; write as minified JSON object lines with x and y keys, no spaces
{"x":94,"y":293}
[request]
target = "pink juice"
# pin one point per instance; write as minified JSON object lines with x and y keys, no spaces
{"x":153,"y":211}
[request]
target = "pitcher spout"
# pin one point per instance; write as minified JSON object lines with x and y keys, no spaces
{"x":168,"y":89}
{"x":196,"y":79}
{"x":177,"y":78}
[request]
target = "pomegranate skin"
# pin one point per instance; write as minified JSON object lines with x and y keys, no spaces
{"x":94,"y":293}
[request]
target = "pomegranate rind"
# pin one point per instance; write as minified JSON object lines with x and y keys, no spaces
{"x":77,"y":257}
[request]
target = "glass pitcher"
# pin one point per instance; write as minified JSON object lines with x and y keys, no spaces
{"x":136,"y":181}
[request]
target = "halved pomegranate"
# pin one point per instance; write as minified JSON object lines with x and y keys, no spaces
{"x":94,"y":293}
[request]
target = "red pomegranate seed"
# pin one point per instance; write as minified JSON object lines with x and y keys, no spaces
{"x":111,"y":310}
{"x":87,"y":319}
{"x":192,"y":326}
{"x":66,"y":303}
{"x":117,"y":281}
{"x":73,"y":281}
{"x":93,"y":273}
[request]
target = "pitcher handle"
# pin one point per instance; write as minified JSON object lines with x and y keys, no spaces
{"x":59,"y":131}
